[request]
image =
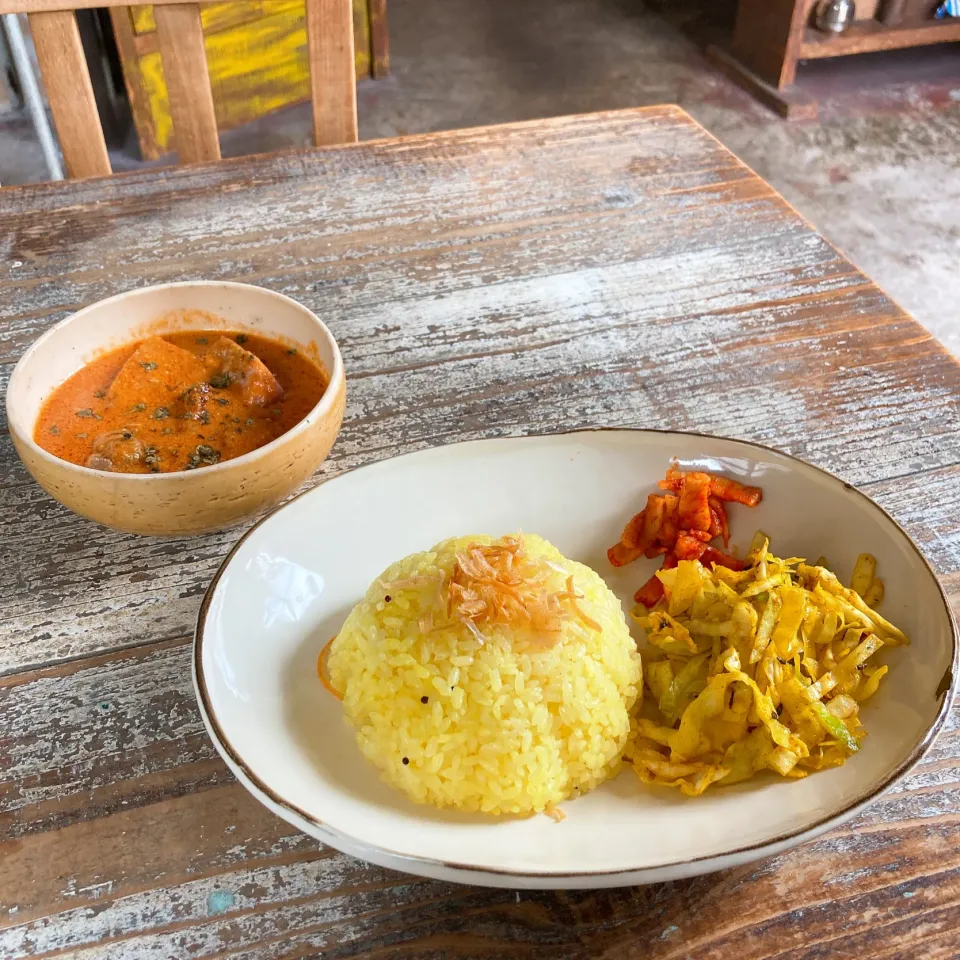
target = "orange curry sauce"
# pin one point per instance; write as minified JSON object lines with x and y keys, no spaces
{"x":178,"y":402}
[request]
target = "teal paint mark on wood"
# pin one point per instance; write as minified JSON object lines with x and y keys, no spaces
{"x":220,"y":901}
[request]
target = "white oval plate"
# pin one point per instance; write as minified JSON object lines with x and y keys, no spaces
{"x":290,"y":582}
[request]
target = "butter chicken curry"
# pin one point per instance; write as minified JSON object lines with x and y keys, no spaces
{"x":179,"y":402}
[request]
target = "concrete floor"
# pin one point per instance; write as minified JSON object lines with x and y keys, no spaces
{"x":878,"y":173}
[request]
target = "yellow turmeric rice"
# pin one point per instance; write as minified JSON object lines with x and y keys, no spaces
{"x":489,"y":675}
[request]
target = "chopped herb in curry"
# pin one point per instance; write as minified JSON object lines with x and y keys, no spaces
{"x":203,"y":456}
{"x":212,"y":395}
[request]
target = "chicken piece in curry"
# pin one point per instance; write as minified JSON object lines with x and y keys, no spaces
{"x":179,"y":401}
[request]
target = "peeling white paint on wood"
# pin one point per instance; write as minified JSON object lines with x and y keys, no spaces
{"x":284,"y":907}
{"x":650,"y":282}
{"x":616,"y":270}
{"x":197,"y":902}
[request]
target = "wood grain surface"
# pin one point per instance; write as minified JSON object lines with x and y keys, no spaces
{"x":180,"y":35}
{"x":379,"y":39}
{"x":870,"y":35}
{"x":66,"y":79}
{"x":766,"y":36}
{"x":333,"y":86}
{"x":615,"y":269}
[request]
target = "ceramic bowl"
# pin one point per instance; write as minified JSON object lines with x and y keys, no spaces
{"x":168,"y":504}
{"x":291,"y":581}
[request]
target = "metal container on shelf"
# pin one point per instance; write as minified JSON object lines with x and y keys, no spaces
{"x":834,"y":16}
{"x":895,"y":12}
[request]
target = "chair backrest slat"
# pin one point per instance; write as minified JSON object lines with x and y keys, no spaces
{"x":180,"y":36}
{"x":70,"y":93}
{"x":333,"y":84}
{"x":332,"y":73}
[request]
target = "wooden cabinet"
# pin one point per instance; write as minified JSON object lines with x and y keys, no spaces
{"x":257,"y":58}
{"x":771,"y":37}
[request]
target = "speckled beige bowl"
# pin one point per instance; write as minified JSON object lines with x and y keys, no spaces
{"x":170,"y":504}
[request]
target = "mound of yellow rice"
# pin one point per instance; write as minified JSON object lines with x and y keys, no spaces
{"x":487,"y":716}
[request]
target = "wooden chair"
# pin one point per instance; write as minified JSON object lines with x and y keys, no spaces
{"x":180,"y":36}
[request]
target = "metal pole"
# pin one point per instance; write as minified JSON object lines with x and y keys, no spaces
{"x":31,"y":95}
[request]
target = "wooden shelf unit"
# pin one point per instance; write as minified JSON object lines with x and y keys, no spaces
{"x":867,"y":36}
{"x":771,"y":37}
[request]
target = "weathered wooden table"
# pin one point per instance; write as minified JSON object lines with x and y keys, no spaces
{"x":619,"y":269}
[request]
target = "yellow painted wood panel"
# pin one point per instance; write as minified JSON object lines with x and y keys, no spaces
{"x":218,"y":16}
{"x":257,"y":65}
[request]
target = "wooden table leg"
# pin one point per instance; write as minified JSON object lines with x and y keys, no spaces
{"x":379,"y":39}
{"x":764,"y":53}
{"x":790,"y":102}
